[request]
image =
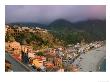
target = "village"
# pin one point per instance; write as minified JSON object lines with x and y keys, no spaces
{"x":58,"y":59}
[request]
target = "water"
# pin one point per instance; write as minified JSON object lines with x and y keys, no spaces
{"x":103,"y":66}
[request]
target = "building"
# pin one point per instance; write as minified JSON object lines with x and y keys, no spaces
{"x":58,"y":61}
{"x":15,"y":45}
{"x":12,"y":30}
{"x":37,"y":63}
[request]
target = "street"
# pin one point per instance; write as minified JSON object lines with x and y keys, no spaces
{"x":16,"y":66}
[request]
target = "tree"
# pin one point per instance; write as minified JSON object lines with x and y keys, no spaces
{"x":23,"y":42}
{"x":40,"y":53}
{"x":9,"y":38}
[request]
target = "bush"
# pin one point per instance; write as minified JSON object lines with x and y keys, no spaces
{"x":40,"y":53}
{"x":9,"y":38}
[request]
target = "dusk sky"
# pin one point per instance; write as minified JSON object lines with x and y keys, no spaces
{"x":46,"y":14}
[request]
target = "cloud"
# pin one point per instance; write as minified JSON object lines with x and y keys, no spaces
{"x":48,"y":13}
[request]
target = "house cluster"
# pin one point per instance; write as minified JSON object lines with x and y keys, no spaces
{"x":15,"y":30}
{"x":52,"y":59}
{"x":73,"y":51}
{"x":48,"y":59}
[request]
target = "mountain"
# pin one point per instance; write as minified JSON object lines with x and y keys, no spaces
{"x":90,"y":30}
{"x":63,"y":26}
{"x":92,"y":25}
{"x":97,"y":28}
{"x":69,"y":33}
{"x":28,"y":24}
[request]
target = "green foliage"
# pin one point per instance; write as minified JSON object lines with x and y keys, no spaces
{"x":36,"y":40}
{"x":45,"y":42}
{"x":35,"y":47}
{"x":72,"y":33}
{"x":20,"y":38}
{"x":9,"y":37}
{"x":40,"y":54}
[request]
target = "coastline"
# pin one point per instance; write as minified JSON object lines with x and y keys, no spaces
{"x":100,"y":63}
{"x":90,"y":61}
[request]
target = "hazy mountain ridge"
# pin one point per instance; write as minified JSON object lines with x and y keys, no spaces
{"x":90,"y":30}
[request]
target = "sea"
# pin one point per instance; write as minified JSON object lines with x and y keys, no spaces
{"x":103,"y":66}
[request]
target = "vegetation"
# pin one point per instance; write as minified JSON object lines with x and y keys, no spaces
{"x":72,"y":33}
{"x":40,"y":54}
{"x":9,"y":37}
{"x":37,"y":40}
{"x":62,"y":33}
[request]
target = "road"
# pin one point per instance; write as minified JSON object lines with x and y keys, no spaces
{"x":16,"y":66}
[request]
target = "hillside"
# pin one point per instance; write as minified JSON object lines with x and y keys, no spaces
{"x":62,"y":25}
{"x":28,"y":24}
{"x":68,"y":32}
{"x":37,"y":39}
{"x":90,"y":30}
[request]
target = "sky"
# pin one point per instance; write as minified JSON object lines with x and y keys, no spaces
{"x":45,"y":14}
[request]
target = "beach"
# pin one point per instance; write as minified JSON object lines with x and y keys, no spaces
{"x":89,"y":62}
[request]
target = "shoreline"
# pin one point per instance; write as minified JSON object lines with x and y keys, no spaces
{"x":90,"y":61}
{"x":100,"y":63}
